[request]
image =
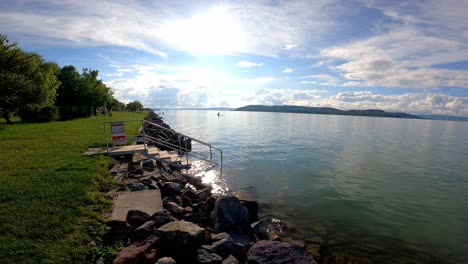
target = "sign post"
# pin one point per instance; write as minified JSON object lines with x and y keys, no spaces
{"x":118,"y":133}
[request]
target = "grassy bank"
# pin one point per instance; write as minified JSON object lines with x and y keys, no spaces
{"x":50,"y":202}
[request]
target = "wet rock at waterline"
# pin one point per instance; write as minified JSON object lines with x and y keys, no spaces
{"x":230,"y":215}
{"x":275,"y":252}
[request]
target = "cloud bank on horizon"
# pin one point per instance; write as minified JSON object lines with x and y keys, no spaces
{"x":409,"y":56}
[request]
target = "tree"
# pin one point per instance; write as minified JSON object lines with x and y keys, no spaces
{"x":134,"y":106}
{"x":80,"y":95}
{"x":116,"y":105}
{"x":26,"y":80}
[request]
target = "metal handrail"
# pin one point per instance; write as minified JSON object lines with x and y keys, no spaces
{"x":183,"y":150}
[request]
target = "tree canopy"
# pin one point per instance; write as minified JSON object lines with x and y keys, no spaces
{"x":26,"y":80}
{"x":33,"y":87}
{"x":134,"y":106}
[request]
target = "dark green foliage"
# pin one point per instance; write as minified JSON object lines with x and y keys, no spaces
{"x":134,"y":106}
{"x":26,"y":80}
{"x":45,"y":114}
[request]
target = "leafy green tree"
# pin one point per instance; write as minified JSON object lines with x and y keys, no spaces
{"x":81,"y":94}
{"x":26,"y":80}
{"x":116,"y":105}
{"x":134,"y":106}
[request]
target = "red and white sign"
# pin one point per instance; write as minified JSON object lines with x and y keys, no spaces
{"x":118,"y":133}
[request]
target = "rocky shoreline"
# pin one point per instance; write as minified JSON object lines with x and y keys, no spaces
{"x":195,"y":225}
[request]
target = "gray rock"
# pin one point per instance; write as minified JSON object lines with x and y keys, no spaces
{"x":171,"y":188}
{"x":166,"y":260}
{"x":137,"y":186}
{"x":230,"y":244}
{"x":144,"y":231}
{"x":182,"y":232}
{"x":230,"y":260}
{"x":230,"y":215}
{"x":204,"y":256}
{"x":136,"y":218}
{"x":174,"y":208}
{"x":275,"y":252}
{"x":162,"y":218}
{"x":203,"y":194}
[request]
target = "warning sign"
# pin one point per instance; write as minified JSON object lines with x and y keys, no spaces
{"x":118,"y":133}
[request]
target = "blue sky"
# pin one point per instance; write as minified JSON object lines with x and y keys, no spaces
{"x":409,"y":56}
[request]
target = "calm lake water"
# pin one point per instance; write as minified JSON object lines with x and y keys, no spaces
{"x":394,"y":190}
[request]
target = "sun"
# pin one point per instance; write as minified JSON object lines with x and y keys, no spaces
{"x":214,"y":31}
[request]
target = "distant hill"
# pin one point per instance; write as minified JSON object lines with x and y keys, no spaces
{"x":323,"y":111}
{"x":197,"y":108}
{"x":445,"y":117}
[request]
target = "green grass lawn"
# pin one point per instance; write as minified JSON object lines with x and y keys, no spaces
{"x":51,"y":196}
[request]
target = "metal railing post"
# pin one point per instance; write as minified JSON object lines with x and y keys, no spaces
{"x":105,"y":134}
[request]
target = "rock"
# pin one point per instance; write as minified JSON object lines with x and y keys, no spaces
{"x":190,"y":194}
{"x":230,"y":215}
{"x":250,"y":203}
{"x":174,"y":208}
{"x":269,"y":229}
{"x":162,"y":218}
{"x":209,"y":204}
{"x":177,"y":178}
{"x":182,"y":232}
{"x":230,"y":244}
{"x":230,"y":260}
{"x":136,"y":218}
{"x":204,"y":256}
{"x":119,"y":228}
{"x":188,"y":210}
{"x":274,"y":252}
{"x":137,"y":186}
{"x":143,"y":232}
{"x":153,"y":185}
{"x":166,"y":260}
{"x":180,"y":240}
{"x":139,"y":252}
{"x":192,"y":217}
{"x":204,"y":193}
{"x":170,"y":188}
{"x":195,"y":181}
{"x":186,"y":201}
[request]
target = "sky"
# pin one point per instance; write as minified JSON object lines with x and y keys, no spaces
{"x":404,"y":56}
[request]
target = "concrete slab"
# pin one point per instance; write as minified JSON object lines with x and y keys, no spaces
{"x":148,"y":201}
{"x":93,"y":151}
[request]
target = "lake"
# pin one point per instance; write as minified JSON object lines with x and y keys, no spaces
{"x":393,"y":190}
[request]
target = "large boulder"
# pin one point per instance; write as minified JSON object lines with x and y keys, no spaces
{"x":248,"y":201}
{"x":275,"y":252}
{"x":230,"y":215}
{"x":182,"y":233}
{"x":180,"y":240}
{"x":139,"y":252}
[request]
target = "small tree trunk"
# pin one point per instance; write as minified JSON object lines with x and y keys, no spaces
{"x":6,"y":115}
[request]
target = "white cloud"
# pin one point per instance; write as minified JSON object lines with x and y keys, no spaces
{"x":248,"y":64}
{"x":409,"y":53}
{"x":231,"y":27}
{"x":288,"y":70}
{"x":322,"y":79}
